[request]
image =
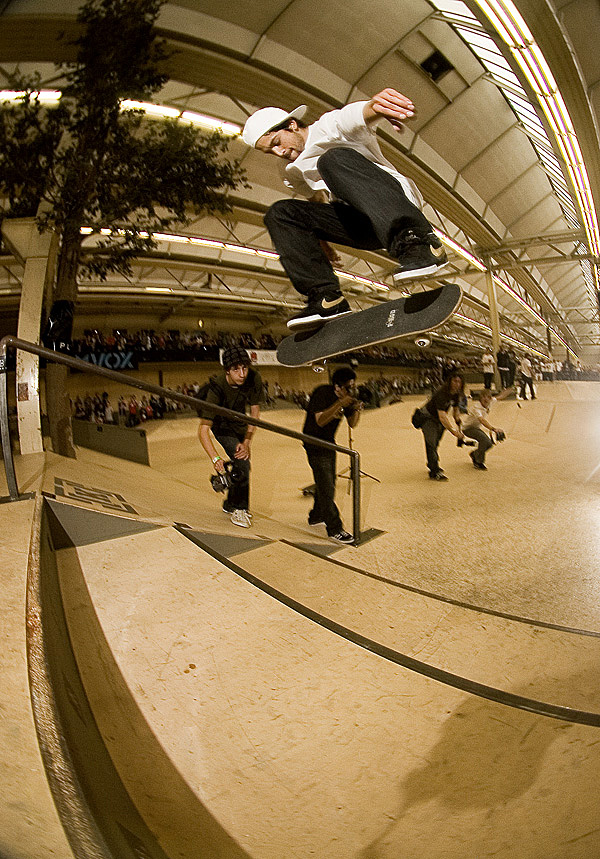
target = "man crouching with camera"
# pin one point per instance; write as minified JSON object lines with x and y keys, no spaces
{"x":238,"y":386}
{"x":327,"y":406}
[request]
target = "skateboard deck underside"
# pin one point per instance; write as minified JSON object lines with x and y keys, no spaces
{"x":378,"y":324}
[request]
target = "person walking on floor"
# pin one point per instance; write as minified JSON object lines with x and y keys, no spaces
{"x":356,"y":198}
{"x":526,"y":378}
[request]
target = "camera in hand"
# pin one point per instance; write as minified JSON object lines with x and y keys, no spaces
{"x":221,"y":481}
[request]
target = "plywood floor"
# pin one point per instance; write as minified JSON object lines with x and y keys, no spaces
{"x":478,"y":576}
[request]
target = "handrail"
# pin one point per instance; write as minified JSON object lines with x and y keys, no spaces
{"x":60,"y":358}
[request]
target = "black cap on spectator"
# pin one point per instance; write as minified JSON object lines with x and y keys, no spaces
{"x":233,"y":355}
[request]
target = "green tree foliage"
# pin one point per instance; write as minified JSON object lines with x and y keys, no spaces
{"x":89,"y":162}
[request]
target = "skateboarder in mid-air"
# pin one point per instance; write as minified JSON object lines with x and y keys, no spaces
{"x":355,"y":198}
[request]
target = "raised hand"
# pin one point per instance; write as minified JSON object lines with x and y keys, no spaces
{"x":392,"y":105}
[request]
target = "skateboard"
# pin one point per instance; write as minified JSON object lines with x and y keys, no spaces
{"x":378,"y":324}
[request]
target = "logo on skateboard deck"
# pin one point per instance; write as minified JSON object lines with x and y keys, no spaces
{"x":390,"y":319}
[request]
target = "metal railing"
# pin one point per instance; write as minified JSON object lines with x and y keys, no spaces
{"x":77,"y":364}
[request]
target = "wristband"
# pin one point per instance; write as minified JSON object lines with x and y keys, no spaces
{"x":215,"y":459}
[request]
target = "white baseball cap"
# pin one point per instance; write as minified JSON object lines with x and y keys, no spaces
{"x":266,"y":119}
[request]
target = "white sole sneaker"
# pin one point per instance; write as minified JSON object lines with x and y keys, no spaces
{"x":417,"y":272}
{"x":240,"y":518}
{"x":314,"y":319}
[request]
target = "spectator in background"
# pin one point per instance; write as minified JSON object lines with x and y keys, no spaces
{"x":526,"y":377}
{"x":512,"y":367}
{"x":503,"y":363}
{"x":487,"y":362}
{"x":108,"y":411}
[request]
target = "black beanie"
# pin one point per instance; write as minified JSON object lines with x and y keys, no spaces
{"x":233,"y":355}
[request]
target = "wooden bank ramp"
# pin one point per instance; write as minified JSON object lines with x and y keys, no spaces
{"x":225,"y":695}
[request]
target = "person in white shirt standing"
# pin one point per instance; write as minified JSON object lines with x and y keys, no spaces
{"x":355,"y":197}
{"x":487,"y":362}
{"x":526,"y":378}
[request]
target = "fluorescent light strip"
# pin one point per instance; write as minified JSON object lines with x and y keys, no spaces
{"x":528,"y":307}
{"x":187,"y":116}
{"x":149,"y":108}
{"x":476,"y":324}
{"x":241,"y":249}
{"x":43,"y":96}
{"x":460,"y":250}
{"x":472,"y":322}
{"x":512,"y":28}
{"x":364,"y":280}
{"x":503,"y":285}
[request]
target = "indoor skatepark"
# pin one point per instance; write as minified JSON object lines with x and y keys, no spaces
{"x":292,"y":697}
{"x":175,"y":686}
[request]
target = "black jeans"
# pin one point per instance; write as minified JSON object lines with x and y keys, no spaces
{"x":526,"y":381}
{"x":238,"y":494}
{"x":322,"y":463}
{"x":488,"y":380}
{"x":370,"y":209}
{"x":433,"y":431}
{"x":483,"y":440}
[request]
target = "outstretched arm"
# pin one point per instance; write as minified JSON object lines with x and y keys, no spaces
{"x":447,"y":424}
{"x":391,"y":105}
{"x":504,"y":393}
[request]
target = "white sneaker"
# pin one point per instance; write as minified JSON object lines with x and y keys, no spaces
{"x":241,"y":518}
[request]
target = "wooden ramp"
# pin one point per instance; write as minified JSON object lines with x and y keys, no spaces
{"x":257,"y":698}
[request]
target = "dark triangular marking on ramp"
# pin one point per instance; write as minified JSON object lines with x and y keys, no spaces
{"x":322,"y":549}
{"x":76,"y":526}
{"x":369,"y":534}
{"x":223,"y":544}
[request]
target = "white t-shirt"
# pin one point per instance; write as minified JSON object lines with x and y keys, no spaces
{"x":476,"y":411}
{"x":344,"y":127}
{"x":526,"y":366}
{"x":487,"y":361}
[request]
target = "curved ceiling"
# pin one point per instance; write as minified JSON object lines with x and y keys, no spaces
{"x":469,"y":152}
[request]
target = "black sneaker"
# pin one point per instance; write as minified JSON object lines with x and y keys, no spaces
{"x":418,"y":255}
{"x":476,"y":464}
{"x":437,"y":475}
{"x":322,"y":309}
{"x":342,"y":537}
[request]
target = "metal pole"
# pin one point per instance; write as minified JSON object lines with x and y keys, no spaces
{"x":9,"y":465}
{"x":355,"y":477}
{"x":494,"y":320}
